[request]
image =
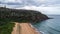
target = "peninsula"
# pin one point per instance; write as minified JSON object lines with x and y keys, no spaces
{"x":22,"y":19}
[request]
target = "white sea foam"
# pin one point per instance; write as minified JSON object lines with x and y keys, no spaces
{"x":40,"y":32}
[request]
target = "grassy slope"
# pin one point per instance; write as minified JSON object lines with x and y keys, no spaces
{"x":6,"y":28}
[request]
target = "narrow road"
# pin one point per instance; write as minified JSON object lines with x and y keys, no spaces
{"x":23,"y":28}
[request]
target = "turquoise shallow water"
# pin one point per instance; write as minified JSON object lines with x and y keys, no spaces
{"x":50,"y":26}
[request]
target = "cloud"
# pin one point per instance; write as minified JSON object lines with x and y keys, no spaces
{"x":7,"y":1}
{"x":45,"y":6}
{"x":49,"y":2}
{"x":54,"y":5}
{"x":44,"y":10}
{"x":19,"y":2}
{"x":31,"y":2}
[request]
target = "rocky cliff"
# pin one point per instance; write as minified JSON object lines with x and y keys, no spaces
{"x":21,"y":15}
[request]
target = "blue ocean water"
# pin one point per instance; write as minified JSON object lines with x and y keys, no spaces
{"x":50,"y":26}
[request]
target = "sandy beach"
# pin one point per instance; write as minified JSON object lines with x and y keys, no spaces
{"x":23,"y":28}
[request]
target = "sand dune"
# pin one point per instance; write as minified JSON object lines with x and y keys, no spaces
{"x":23,"y":28}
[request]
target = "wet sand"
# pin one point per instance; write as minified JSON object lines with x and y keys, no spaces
{"x":24,"y":28}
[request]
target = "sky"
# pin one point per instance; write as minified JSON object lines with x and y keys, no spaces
{"x":44,"y":6}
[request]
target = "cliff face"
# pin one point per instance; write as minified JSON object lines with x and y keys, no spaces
{"x":21,"y":15}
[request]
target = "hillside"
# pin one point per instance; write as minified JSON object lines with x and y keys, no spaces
{"x":9,"y":16}
{"x":21,"y":15}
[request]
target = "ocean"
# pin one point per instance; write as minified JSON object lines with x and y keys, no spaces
{"x":50,"y":26}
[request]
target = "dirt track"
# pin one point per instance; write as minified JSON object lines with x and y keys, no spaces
{"x":23,"y":28}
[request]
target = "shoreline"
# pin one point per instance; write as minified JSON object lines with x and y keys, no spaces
{"x":40,"y":32}
{"x":24,"y":28}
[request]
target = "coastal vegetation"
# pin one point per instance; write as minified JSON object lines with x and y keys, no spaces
{"x":7,"y":16}
{"x":22,"y":15}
